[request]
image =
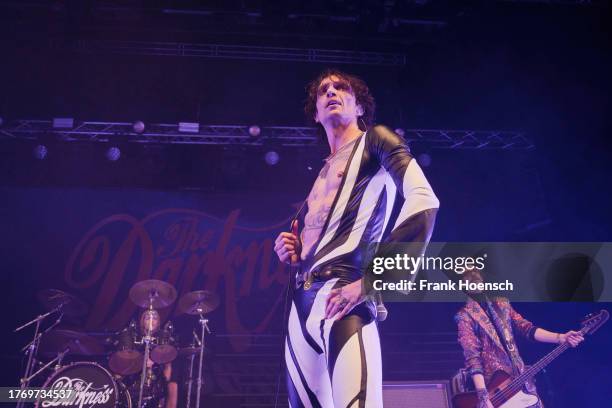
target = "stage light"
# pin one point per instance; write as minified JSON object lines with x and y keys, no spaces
{"x":40,"y":152}
{"x":254,"y":130}
{"x":272,"y":158}
{"x":138,"y":126}
{"x":63,"y":123}
{"x":189,"y":127}
{"x":1,"y":120}
{"x":424,"y":159}
{"x":113,"y":153}
{"x":400,"y":132}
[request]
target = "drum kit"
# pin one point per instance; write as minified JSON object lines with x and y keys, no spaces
{"x":139,"y":354}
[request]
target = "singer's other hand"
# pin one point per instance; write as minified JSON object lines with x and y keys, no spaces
{"x":287,"y":245}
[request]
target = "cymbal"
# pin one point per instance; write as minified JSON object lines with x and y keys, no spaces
{"x":52,"y":298}
{"x":198,"y":302}
{"x":58,"y":340}
{"x":158,"y":294}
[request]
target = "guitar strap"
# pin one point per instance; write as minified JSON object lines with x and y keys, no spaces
{"x":505,"y":335}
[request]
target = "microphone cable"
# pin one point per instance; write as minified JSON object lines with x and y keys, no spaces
{"x":285,"y":321}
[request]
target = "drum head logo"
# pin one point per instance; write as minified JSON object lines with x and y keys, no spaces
{"x":84,"y":394}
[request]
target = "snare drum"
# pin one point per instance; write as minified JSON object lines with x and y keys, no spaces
{"x":92,"y":385}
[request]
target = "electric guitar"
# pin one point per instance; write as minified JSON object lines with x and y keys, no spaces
{"x":508,"y":392}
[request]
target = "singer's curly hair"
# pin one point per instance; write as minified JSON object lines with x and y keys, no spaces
{"x":359,"y":88}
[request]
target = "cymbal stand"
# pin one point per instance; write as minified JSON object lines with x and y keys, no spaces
{"x":190,"y":380}
{"x":204,"y":324}
{"x":59,"y":358}
{"x":47,"y":330}
{"x":146,"y":339}
{"x":32,"y":348}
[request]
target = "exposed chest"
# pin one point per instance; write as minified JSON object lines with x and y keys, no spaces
{"x":330,"y":177}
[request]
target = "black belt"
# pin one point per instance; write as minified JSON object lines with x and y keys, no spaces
{"x":307,"y":278}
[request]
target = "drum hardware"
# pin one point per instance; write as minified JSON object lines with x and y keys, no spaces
{"x":71,"y":341}
{"x":47,"y":330}
{"x":59,"y":358}
{"x":199,"y":303}
{"x":150,"y":294}
{"x":77,"y":342}
{"x":165,"y":351}
{"x":71,"y":305}
{"x":146,"y":340}
{"x":204,"y":322}
{"x":154,"y":386}
{"x":126,"y":360}
{"x":192,"y":351}
{"x":31,"y":349}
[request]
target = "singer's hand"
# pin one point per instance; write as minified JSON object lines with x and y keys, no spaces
{"x":342,"y":300}
{"x":287,"y":245}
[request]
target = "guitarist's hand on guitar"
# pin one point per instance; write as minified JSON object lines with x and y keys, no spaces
{"x":573,"y":338}
{"x":483,"y":399}
{"x":486,"y":403}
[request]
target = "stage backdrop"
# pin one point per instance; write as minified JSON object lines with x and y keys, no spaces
{"x":96,"y":244}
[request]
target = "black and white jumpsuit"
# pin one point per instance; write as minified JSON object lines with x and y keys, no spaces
{"x":383,"y":197}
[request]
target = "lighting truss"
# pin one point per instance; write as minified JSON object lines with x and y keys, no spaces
{"x":290,"y":136}
{"x":242,"y":52}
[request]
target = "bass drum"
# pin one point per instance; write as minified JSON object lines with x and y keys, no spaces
{"x":92,"y":385}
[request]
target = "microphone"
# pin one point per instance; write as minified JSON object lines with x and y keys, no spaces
{"x":381,"y":310}
{"x":294,"y":230}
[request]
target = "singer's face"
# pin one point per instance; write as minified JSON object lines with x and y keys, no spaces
{"x":336,"y":101}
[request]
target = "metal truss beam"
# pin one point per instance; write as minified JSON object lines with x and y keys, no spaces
{"x":242,"y":52}
{"x":290,"y":136}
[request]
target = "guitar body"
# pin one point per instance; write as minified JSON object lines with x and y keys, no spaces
{"x":500,"y":379}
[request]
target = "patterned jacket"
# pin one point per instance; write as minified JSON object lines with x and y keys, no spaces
{"x":482,"y":348}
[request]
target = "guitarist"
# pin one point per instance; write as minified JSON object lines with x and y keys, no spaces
{"x":486,"y":328}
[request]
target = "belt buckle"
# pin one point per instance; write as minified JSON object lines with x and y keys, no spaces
{"x":308,"y":282}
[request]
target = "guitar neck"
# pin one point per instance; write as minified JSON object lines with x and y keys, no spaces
{"x":589,"y":326}
{"x":543,"y":362}
{"x":518,"y":382}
